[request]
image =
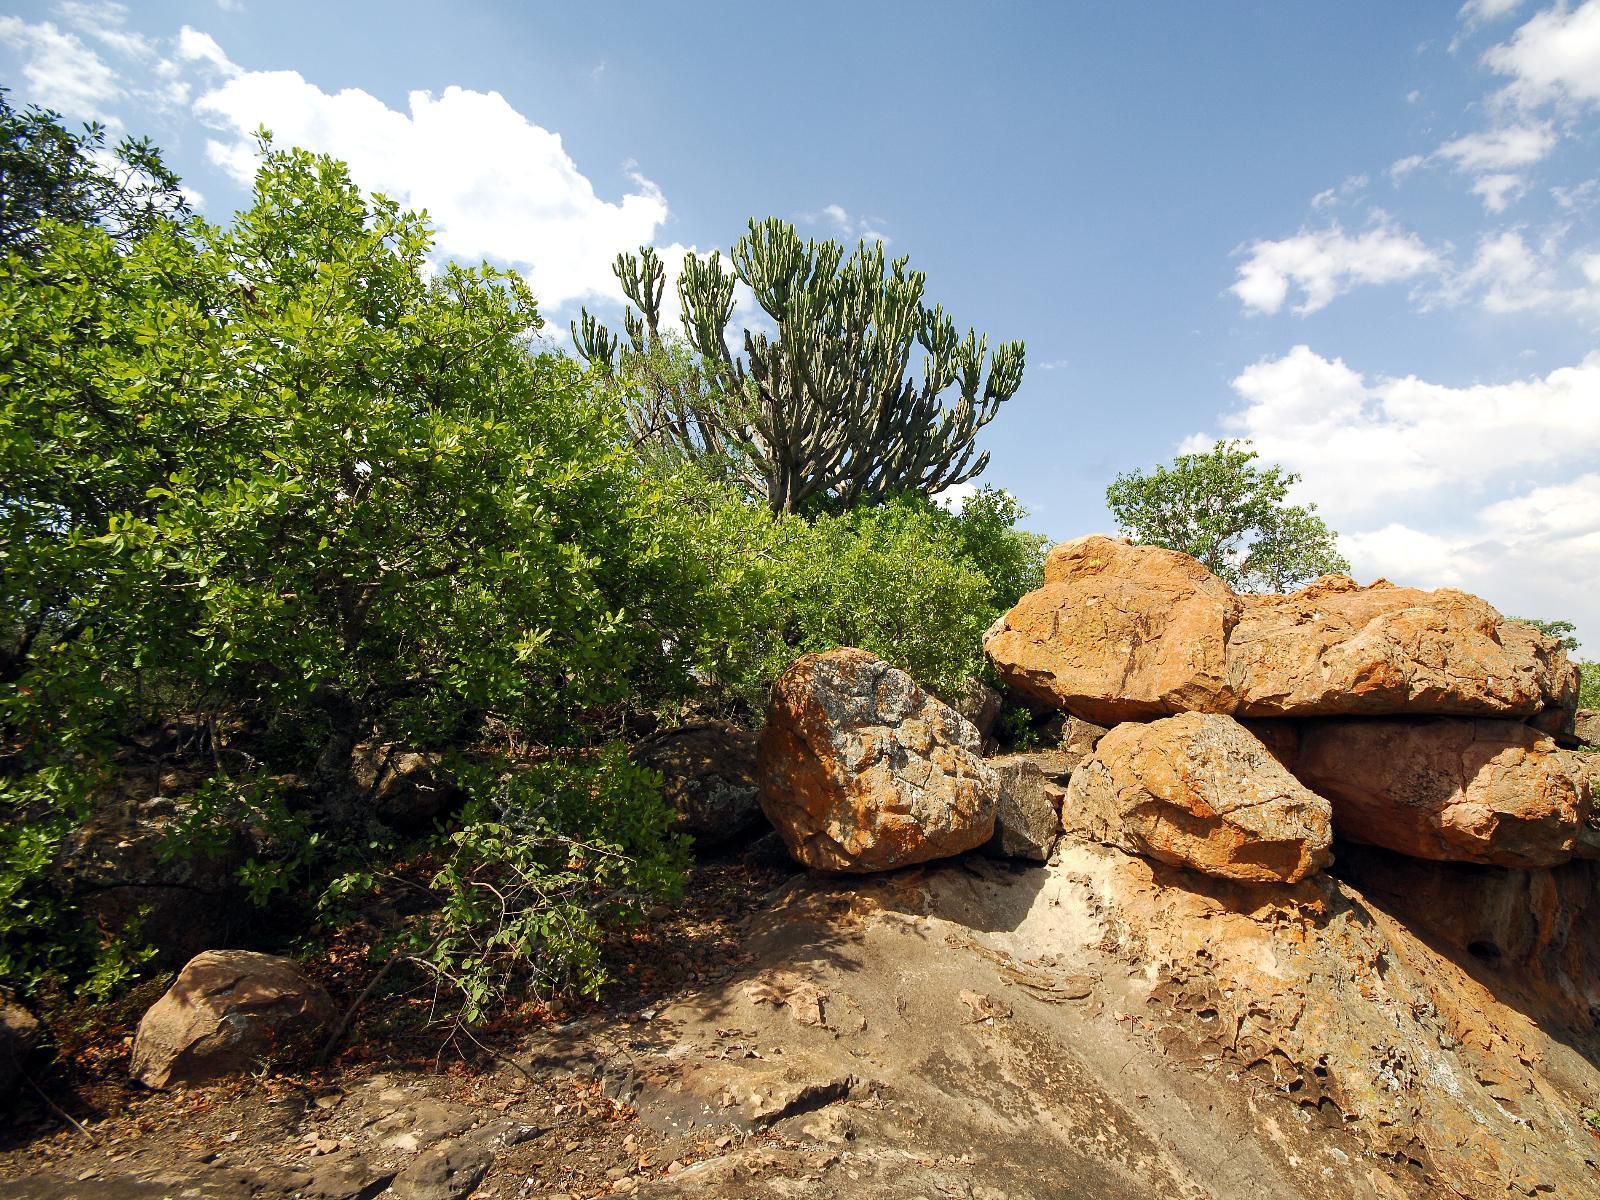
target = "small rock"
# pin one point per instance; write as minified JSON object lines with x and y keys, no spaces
{"x":447,"y":1172}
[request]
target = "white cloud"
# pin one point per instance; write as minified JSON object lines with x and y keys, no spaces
{"x":62,"y":73}
{"x":197,"y":47}
{"x":1478,"y":11}
{"x":1323,"y":263}
{"x":955,"y":497}
{"x":493,"y":183}
{"x":1480,"y":486}
{"x":1499,"y":149}
{"x":1498,"y":191}
{"x":1555,"y":57}
{"x":106,"y":22}
{"x":1367,"y":446}
{"x":851,"y":228}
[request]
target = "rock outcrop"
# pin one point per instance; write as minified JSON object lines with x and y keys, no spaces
{"x":1121,"y":632}
{"x":1338,"y":649}
{"x":1586,"y":727}
{"x":1198,"y":790}
{"x":1454,"y":790}
{"x":709,"y":778}
{"x":227,"y":1010}
{"x":402,"y":786}
{"x":861,"y":770}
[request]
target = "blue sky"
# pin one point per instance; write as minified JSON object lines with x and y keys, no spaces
{"x":1366,"y":235}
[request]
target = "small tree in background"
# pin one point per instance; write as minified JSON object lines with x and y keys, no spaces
{"x":825,"y":412}
{"x":1232,"y":515}
{"x":1564,"y":632}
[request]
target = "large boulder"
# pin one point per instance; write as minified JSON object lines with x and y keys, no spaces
{"x":709,"y":773}
{"x":1119,"y":633}
{"x":1586,"y":726}
{"x":1199,"y":790}
{"x":1338,"y":649}
{"x":861,"y":770}
{"x":226,"y":1012}
{"x":1452,"y":790}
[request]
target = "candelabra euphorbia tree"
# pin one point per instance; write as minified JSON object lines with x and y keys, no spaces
{"x":827,"y":407}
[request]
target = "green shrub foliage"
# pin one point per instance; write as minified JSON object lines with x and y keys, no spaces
{"x":274,"y":490}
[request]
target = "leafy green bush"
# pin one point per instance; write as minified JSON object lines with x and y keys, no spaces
{"x":275,"y":480}
{"x":1589,"y":685}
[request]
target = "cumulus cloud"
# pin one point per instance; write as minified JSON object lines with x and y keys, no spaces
{"x":1367,"y":446}
{"x":1499,"y":149}
{"x":1323,"y":263}
{"x":1554,"y":58}
{"x":493,"y":183}
{"x":1479,"y":486}
{"x":62,"y":72}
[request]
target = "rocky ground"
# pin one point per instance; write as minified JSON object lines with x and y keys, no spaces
{"x":1100,"y":1026}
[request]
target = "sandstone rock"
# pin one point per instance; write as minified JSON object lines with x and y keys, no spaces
{"x":19,"y":1034}
{"x":709,"y":771}
{"x":448,"y":1172}
{"x":1119,"y":632}
{"x":1586,"y":726}
{"x":1449,"y":789}
{"x":226,"y":1011}
{"x":403,"y":786}
{"x":861,"y":770}
{"x":1079,"y":738}
{"x":1200,"y":791}
{"x":1028,"y":816}
{"x":1337,"y":649}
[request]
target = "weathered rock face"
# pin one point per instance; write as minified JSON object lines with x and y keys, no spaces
{"x":1119,"y":633}
{"x":1535,"y":933}
{"x":1454,"y":790}
{"x":227,"y":1010}
{"x":709,"y":771}
{"x":1199,"y":791}
{"x":1337,"y":649}
{"x":19,"y":1034}
{"x":861,"y":770}
{"x":1123,"y":632}
{"x":1028,"y":817}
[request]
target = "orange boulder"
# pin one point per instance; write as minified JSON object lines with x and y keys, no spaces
{"x":861,"y":770}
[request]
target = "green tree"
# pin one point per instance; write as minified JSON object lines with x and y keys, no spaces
{"x":281,"y":485}
{"x":826,"y":411}
{"x":1232,"y":515}
{"x":49,"y":172}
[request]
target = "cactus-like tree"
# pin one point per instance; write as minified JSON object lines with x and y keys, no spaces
{"x":828,"y":407}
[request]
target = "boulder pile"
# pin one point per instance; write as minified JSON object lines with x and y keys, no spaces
{"x":1245,"y":732}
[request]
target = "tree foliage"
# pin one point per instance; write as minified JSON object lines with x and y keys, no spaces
{"x":826,"y":410}
{"x":49,"y":172}
{"x":275,"y":490}
{"x":276,"y":483}
{"x":1232,"y":515}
